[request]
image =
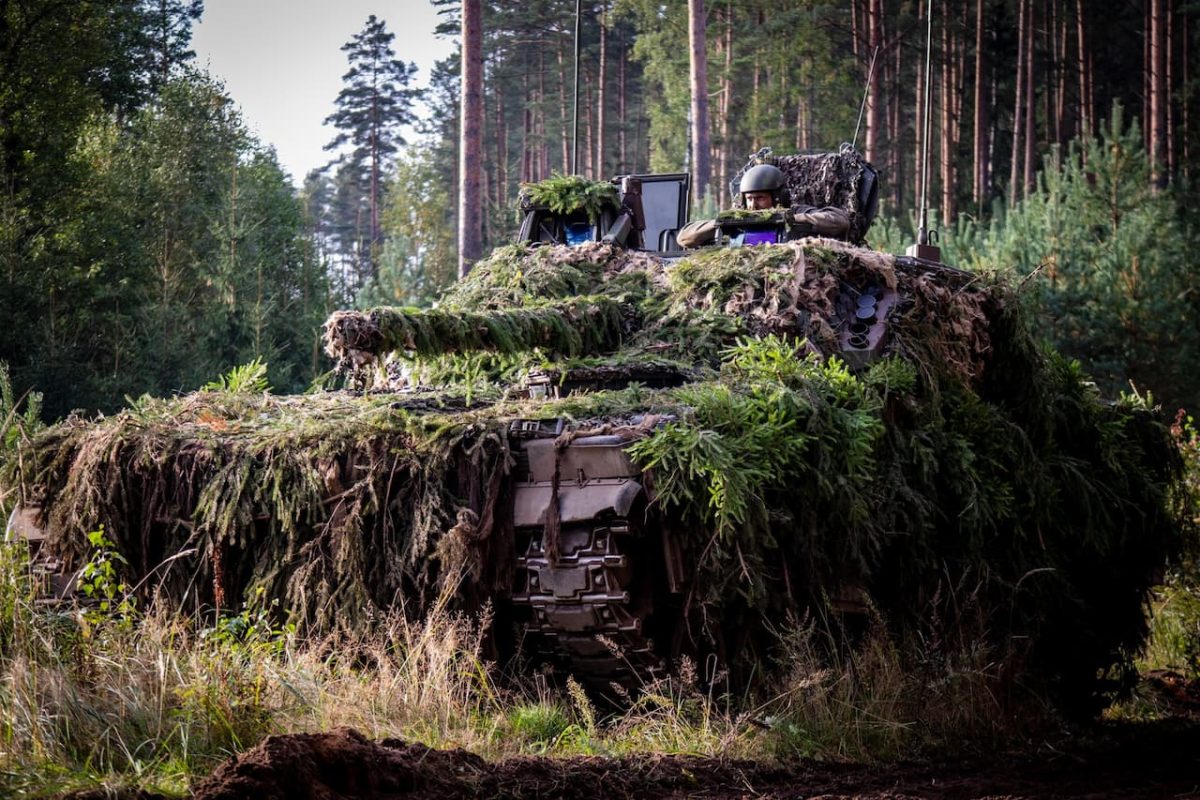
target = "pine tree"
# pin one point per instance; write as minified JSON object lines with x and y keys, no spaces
{"x":374,"y":102}
{"x":169,"y":27}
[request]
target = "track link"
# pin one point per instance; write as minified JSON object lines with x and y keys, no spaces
{"x":583,"y":611}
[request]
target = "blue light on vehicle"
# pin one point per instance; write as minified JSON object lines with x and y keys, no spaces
{"x":578,"y":233}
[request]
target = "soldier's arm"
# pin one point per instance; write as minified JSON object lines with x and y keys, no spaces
{"x":697,"y":233}
{"x":828,"y":221}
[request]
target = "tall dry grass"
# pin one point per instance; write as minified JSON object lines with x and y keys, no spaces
{"x":153,"y":700}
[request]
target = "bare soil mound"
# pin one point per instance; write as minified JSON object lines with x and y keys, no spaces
{"x":1160,"y":761}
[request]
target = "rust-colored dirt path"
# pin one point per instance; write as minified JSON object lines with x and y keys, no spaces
{"x":1152,"y":763}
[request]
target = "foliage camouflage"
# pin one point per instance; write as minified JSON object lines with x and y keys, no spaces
{"x":564,"y":194}
{"x":751,"y":214}
{"x":968,"y":476}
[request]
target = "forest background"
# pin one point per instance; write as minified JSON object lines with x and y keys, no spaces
{"x":149,"y":241}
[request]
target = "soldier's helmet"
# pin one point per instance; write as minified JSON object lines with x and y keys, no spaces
{"x":764,"y":178}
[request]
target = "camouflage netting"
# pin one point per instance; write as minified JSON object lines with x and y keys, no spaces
{"x":966,"y":474}
{"x":554,"y":304}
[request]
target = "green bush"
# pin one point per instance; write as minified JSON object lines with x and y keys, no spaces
{"x":1105,"y":260}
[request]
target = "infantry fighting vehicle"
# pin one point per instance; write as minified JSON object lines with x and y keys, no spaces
{"x":635,"y":453}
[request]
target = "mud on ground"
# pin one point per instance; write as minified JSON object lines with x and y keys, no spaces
{"x":1128,"y":760}
{"x":1141,"y":762}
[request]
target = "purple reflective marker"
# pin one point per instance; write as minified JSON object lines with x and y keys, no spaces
{"x":750,"y":238}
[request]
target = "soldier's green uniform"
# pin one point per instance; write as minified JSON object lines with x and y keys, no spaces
{"x":761,"y":188}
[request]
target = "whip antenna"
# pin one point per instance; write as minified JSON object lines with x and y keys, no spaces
{"x":923,"y":249}
{"x":866,"y":93}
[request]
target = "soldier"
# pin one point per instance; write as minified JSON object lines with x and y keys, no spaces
{"x":762,"y":187}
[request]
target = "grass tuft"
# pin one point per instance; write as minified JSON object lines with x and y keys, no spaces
{"x":154,"y":700}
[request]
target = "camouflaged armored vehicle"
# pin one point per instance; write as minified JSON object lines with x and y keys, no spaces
{"x":634,"y":454}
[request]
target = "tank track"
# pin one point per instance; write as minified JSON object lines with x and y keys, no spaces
{"x":584,"y":613}
{"x":54,"y":585}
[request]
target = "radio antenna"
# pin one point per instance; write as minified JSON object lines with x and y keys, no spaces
{"x":866,"y":93}
{"x":923,"y":249}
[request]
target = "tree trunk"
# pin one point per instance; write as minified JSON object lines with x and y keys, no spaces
{"x":919,"y":138}
{"x":562,"y":112}
{"x":993,"y":128}
{"x":373,"y":222}
{"x":1158,"y":93}
{"x":1147,"y":77}
{"x":1168,"y":99}
{"x":799,"y":127}
{"x":1061,"y":128}
{"x":855,"y":49}
{"x":959,"y":76}
{"x":621,"y":91}
{"x":895,"y":149}
{"x":638,"y":138}
{"x":726,"y":166}
{"x":589,"y":126}
{"x":1049,"y":80}
{"x":1083,"y":62}
{"x":977,"y":187}
{"x":870,"y":55}
{"x":501,"y":134}
{"x":1019,"y":104}
{"x":755,"y":94}
{"x":1186,"y":81}
{"x":542,"y":161}
{"x":526,"y":129}
{"x":783,"y":115}
{"x":946,"y":91}
{"x":470,"y":146}
{"x":1030,"y":100}
{"x":601,"y":99}
{"x":701,"y":172}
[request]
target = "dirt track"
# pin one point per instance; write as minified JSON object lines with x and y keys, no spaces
{"x":1155,"y":762}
